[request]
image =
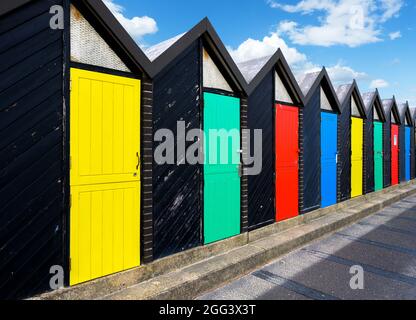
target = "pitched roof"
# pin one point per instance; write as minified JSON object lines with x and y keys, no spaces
{"x":345,"y":91}
{"x":371,"y":99}
{"x":278,"y":62}
{"x":390,"y":105}
{"x":312,"y":81}
{"x":251,"y":68}
{"x":307,"y":81}
{"x":98,"y":14}
{"x":206,"y":31}
{"x":155,"y":51}
{"x":404,"y":112}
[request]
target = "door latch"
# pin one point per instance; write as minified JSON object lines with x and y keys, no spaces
{"x":138,"y":161}
{"x":240,"y":170}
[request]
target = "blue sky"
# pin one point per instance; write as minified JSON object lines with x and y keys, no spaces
{"x":371,"y":40}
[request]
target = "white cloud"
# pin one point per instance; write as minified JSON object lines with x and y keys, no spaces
{"x":344,"y":22}
{"x":395,"y":35}
{"x":137,"y":27}
{"x":252,"y":49}
{"x":298,"y":61}
{"x":379,"y":83}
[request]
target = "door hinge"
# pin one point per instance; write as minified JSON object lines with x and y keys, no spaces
{"x":70,"y":201}
{"x":70,"y":163}
{"x":70,"y":85}
{"x":70,"y":264}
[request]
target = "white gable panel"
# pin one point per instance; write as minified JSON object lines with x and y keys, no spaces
{"x":212,"y":76}
{"x":376,"y":117}
{"x":354,"y":108}
{"x":88,"y":47}
{"x":281,"y":93}
{"x":393,"y":119}
{"x":325,"y":104}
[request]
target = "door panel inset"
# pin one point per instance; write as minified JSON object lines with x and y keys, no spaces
{"x":407,"y":153}
{"x":394,"y":154}
{"x":356,"y":157}
{"x":105,"y":175}
{"x":287,"y":162}
{"x":221,"y":170}
{"x":378,"y":156}
{"x":328,"y":159}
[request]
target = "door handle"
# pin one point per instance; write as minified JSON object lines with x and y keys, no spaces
{"x":138,"y":161}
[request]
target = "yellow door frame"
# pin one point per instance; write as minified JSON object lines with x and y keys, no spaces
{"x":104,"y":174}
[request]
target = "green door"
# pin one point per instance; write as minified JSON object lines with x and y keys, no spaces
{"x":378,"y":155}
{"x":221,"y":168}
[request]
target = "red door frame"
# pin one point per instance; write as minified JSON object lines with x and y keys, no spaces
{"x":394,"y":154}
{"x":287,"y":161}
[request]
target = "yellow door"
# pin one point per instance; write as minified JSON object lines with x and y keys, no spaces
{"x":104,"y":175}
{"x":356,"y":157}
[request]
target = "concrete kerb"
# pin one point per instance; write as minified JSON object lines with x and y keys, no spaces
{"x":348,"y":212}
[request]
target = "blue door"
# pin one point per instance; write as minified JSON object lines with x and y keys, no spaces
{"x":407,"y":152}
{"x":328,"y":159}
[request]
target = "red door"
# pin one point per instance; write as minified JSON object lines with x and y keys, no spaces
{"x":287,"y":162}
{"x":394,"y":154}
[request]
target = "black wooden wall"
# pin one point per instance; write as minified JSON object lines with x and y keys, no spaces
{"x":387,"y":149}
{"x":344,"y":149}
{"x":177,"y":200}
{"x":31,"y":149}
{"x":312,"y":153}
{"x":261,"y":187}
{"x":368,"y":173}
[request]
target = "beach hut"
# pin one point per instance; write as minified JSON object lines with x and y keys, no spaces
{"x":405,"y":141}
{"x":273,"y":107}
{"x":320,"y":132}
{"x":373,"y":136}
{"x":70,"y":191}
{"x":391,"y":142}
{"x":350,"y":140}
{"x":196,"y":86}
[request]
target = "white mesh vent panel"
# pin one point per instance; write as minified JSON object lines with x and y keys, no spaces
{"x":88,"y":47}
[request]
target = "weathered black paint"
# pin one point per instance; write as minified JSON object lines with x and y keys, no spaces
{"x":31,"y":144}
{"x":344,"y":149}
{"x":368,"y":172}
{"x":312,"y":153}
{"x":261,"y":187}
{"x":177,"y":188}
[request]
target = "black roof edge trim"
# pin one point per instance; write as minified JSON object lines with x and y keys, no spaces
{"x":117,"y":32}
{"x":324,"y":80}
{"x":278,"y":60}
{"x":205,"y":30}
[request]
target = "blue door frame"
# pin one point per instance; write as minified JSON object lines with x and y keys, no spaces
{"x":407,"y":152}
{"x":328,"y":159}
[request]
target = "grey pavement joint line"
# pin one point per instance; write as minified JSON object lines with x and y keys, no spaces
{"x":293,"y":286}
{"x":378,"y":244}
{"x":388,"y":228}
{"x":367,"y":268}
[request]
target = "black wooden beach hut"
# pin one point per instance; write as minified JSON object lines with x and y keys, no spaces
{"x":270,"y":82}
{"x":50,"y":51}
{"x":392,"y":118}
{"x":375,"y":117}
{"x":352,"y":106}
{"x":193,"y":76}
{"x":320,"y":150}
